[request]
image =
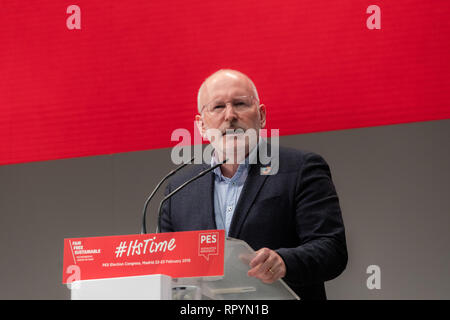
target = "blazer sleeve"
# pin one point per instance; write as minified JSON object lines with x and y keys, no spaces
{"x":322,"y":253}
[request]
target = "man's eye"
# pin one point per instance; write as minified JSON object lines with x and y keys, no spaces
{"x":239,"y":103}
{"x":219,"y":106}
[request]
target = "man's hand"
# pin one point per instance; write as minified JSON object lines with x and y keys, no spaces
{"x":267,"y":266}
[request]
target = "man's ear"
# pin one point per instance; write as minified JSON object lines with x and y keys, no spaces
{"x":262,"y":115}
{"x":200,"y":125}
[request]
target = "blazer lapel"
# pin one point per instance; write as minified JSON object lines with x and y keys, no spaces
{"x":205,"y":200}
{"x":248,"y":195}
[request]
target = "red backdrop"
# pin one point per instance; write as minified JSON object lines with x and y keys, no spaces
{"x":130,"y":76}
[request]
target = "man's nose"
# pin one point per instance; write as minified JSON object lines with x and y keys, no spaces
{"x":230,"y":113}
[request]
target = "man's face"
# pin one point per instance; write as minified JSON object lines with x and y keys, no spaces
{"x":227,"y":91}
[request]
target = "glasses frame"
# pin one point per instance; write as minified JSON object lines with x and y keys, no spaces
{"x":228,"y":102}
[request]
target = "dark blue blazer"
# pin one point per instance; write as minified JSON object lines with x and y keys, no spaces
{"x":295,"y":212}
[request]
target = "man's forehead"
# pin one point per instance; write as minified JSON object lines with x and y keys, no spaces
{"x":225,"y":85}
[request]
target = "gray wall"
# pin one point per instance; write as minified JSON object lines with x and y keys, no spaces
{"x":393,"y":183}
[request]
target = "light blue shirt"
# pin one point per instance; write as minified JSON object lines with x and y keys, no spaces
{"x":227,"y":192}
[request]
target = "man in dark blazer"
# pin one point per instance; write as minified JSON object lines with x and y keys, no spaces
{"x":291,"y":218}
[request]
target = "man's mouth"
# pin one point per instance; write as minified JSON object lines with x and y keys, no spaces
{"x":233,"y":132}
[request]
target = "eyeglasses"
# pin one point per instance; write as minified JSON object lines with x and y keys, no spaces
{"x":239,"y":104}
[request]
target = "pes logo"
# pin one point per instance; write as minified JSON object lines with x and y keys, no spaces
{"x":208,"y":244}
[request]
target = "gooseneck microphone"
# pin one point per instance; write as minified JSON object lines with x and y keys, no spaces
{"x":201,"y":174}
{"x":144,"y":211}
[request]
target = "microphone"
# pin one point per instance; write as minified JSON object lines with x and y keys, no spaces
{"x":201,"y":174}
{"x":144,"y":211}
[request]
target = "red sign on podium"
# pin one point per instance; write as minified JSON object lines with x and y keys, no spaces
{"x":176,"y":254}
